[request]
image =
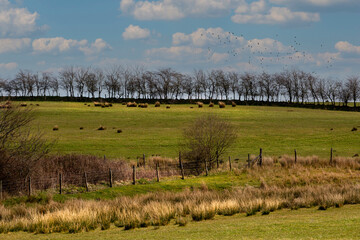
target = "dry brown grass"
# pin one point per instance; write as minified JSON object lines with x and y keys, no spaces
{"x":211,"y":104}
{"x":311,"y":182}
{"x":157,"y":209}
{"x":157,"y":104}
{"x":200,"y":104}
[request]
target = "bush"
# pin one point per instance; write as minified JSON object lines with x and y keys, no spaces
{"x":207,"y":137}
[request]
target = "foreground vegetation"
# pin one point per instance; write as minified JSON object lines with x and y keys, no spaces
{"x":279,"y":184}
{"x":157,"y":131}
{"x":334,"y":223}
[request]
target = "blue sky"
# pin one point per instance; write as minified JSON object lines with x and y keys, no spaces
{"x":321,"y":36}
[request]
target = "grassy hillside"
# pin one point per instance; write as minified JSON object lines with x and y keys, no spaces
{"x":278,"y":130}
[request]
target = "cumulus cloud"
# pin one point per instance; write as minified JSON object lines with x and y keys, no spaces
{"x":319,"y":5}
{"x":347,"y":47}
{"x":8,"y":66}
{"x":267,"y":45}
{"x":205,"y":37}
{"x":174,"y":9}
{"x":98,"y":46}
{"x":135,"y":32}
{"x":17,"y":21}
{"x":60,"y":44}
{"x":259,"y":13}
{"x":13,"y":45}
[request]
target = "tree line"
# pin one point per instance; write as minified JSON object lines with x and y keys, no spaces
{"x":293,"y":86}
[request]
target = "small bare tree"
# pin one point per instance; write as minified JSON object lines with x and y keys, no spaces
{"x":21,"y":148}
{"x":206,"y":138}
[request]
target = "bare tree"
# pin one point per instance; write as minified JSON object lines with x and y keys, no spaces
{"x":353,"y":85}
{"x":45,"y":82}
{"x":67,"y":77}
{"x":234,"y":83}
{"x":188,"y":86}
{"x":200,"y":85}
{"x":207,"y":137}
{"x":20,"y":147}
{"x":81,"y":76}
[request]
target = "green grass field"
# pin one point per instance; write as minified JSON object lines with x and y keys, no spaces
{"x":334,"y":223}
{"x":278,"y":130}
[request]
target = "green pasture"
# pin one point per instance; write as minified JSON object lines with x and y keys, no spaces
{"x":278,"y":130}
{"x":334,"y":223}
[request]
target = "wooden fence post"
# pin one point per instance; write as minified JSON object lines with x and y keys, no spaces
{"x":110,"y":178}
{"x":260,"y":157}
{"x":134,"y":175}
{"x":230,"y":163}
{"x":29,"y":187}
{"x":181,"y":167}
{"x":144,"y":159}
{"x":206,"y":168}
{"x":331,"y":156}
{"x":86,"y":182}
{"x":248,"y":161}
{"x":157,"y":173}
{"x":295,"y":156}
{"x":1,"y":190}
{"x":60,"y":183}
{"x":217,"y":159}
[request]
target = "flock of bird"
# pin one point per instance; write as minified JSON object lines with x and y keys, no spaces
{"x":259,"y":53}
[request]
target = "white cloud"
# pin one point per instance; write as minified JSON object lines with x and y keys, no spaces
{"x":13,"y":45}
{"x":175,"y":9}
{"x":347,"y":47}
{"x":276,"y":15}
{"x":60,"y":44}
{"x":135,"y":32}
{"x":17,"y":21}
{"x":267,"y":45}
{"x":8,"y":66}
{"x":98,"y":46}
{"x":318,"y":4}
{"x":206,"y":37}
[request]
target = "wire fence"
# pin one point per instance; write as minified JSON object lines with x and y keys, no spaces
{"x":63,"y":182}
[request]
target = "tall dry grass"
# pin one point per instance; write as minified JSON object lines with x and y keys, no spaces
{"x":311,"y":182}
{"x":158,"y":209}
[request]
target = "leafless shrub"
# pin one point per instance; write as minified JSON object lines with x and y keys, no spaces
{"x":21,"y":149}
{"x":207,"y":137}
